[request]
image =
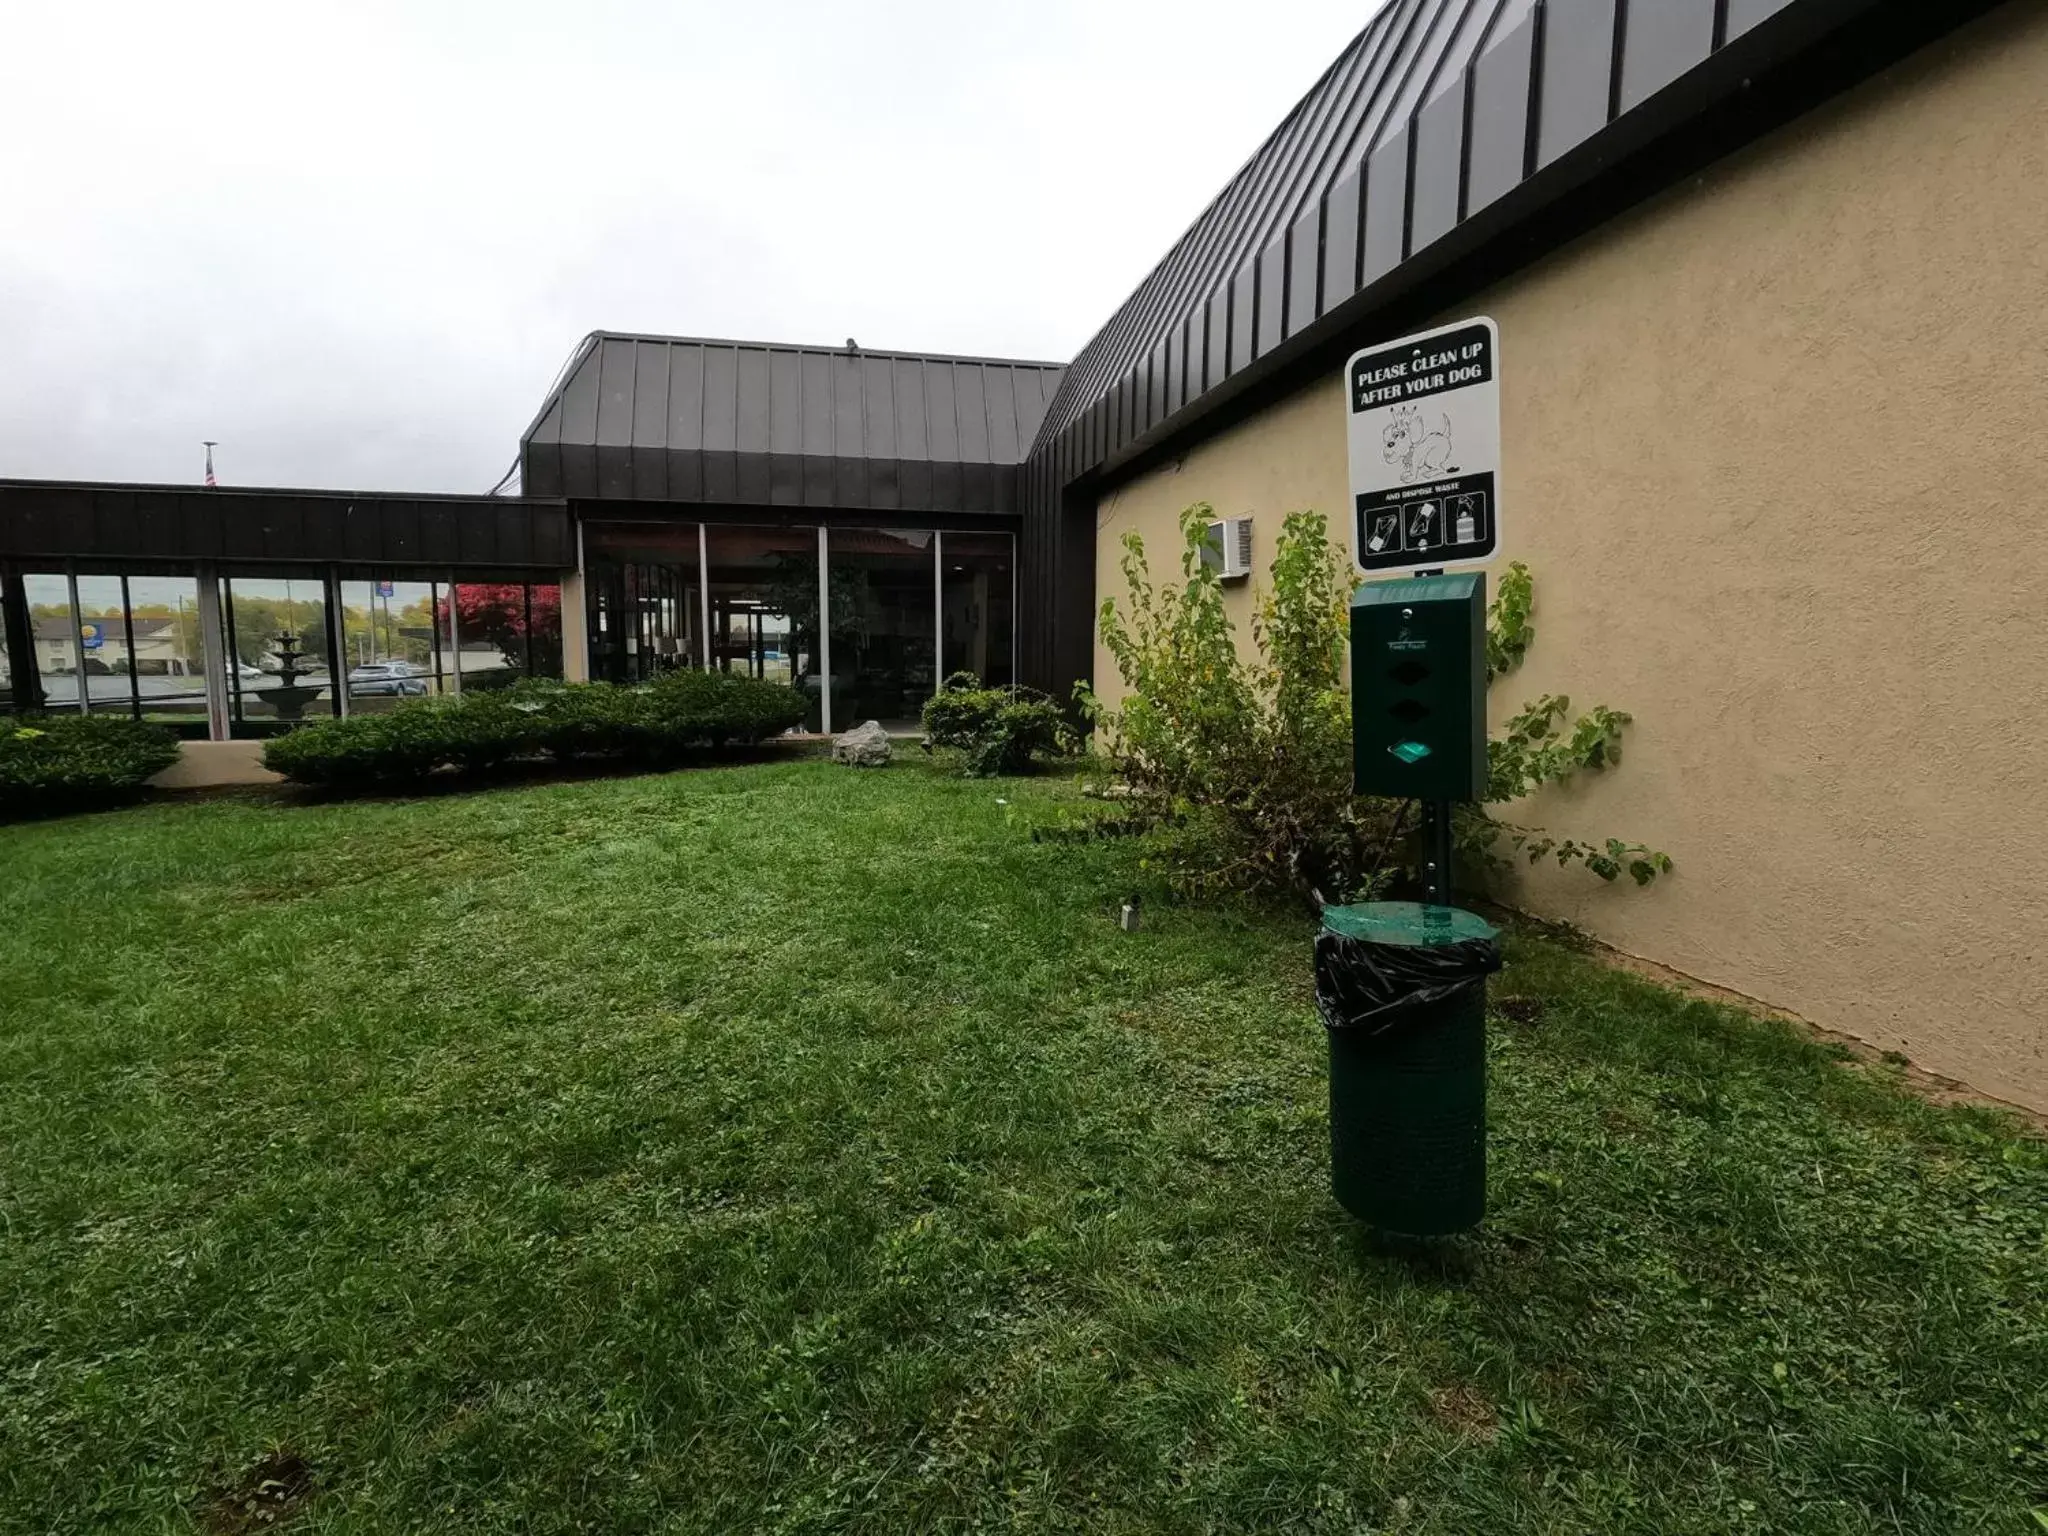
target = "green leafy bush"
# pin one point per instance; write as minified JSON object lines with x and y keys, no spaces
{"x":682,"y":713}
{"x":1244,"y":767}
{"x":1247,"y":764}
{"x":691,"y":709}
{"x":63,"y":762}
{"x":1001,"y":730}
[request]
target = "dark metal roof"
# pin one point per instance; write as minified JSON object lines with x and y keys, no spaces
{"x":139,"y":525}
{"x":1451,"y":145}
{"x":1435,"y":112}
{"x":666,"y":418}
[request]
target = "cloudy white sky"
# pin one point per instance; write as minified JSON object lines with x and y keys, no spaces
{"x":354,"y":241}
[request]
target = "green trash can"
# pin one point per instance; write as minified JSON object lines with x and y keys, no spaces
{"x":1401,"y":988}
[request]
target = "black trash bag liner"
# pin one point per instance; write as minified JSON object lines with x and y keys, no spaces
{"x":1375,"y":990}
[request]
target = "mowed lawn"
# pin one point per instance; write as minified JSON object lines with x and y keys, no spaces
{"x":792,"y":1148}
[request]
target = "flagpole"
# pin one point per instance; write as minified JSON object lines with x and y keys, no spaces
{"x":211,"y":444}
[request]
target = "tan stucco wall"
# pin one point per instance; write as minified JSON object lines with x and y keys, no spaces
{"x":1776,"y":447}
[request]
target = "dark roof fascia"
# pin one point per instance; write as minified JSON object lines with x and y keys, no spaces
{"x":233,"y":492}
{"x":755,"y":515}
{"x":115,"y":526}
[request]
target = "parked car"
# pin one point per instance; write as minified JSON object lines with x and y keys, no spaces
{"x":385,"y":679}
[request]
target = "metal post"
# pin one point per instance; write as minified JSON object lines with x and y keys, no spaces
{"x":938,"y":608}
{"x":824,"y":634}
{"x":1436,"y":833}
{"x":337,"y":644}
{"x":215,"y":656}
{"x":128,"y":639}
{"x":454,"y":643}
{"x":78,"y":644}
{"x":704,"y":593}
{"x":20,"y":640}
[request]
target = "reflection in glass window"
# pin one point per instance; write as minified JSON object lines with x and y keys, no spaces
{"x":166,"y":657}
{"x":6,"y":670}
{"x":884,"y":662}
{"x":764,"y":605}
{"x":509,"y":630}
{"x":645,"y":599}
{"x":544,"y":630}
{"x":279,"y":672}
{"x":396,"y":648}
{"x":56,"y":638}
{"x":978,"y":606}
{"x":106,"y":668}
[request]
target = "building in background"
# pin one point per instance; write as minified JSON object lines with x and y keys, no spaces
{"x":1766,"y":275}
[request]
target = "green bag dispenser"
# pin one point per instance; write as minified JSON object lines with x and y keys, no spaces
{"x":1418,"y":687}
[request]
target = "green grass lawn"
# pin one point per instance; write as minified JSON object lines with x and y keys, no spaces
{"x":787,"y":1147}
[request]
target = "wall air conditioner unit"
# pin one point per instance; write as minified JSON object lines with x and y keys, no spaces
{"x":1232,"y":536}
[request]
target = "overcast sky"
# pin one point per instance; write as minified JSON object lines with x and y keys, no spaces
{"x":355,"y":241}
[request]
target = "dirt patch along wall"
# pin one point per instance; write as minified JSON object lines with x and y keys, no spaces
{"x":1776,"y":448}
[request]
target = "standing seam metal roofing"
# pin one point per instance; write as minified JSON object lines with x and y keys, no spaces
{"x":1451,"y":144}
{"x":662,"y":418}
{"x":1434,"y":111}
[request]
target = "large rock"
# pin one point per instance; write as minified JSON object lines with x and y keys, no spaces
{"x":865,"y":746}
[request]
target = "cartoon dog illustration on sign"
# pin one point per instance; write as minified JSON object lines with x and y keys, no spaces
{"x":1422,"y":454}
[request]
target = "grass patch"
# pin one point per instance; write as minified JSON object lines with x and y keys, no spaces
{"x":789,"y":1148}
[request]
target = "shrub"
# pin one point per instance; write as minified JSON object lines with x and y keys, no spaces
{"x":1248,"y":764}
{"x":61,"y":762}
{"x":685,"y":710}
{"x":475,"y":732}
{"x":1001,"y":730}
{"x":408,"y":742}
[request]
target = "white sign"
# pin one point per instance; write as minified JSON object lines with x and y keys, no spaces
{"x":1425,"y":448}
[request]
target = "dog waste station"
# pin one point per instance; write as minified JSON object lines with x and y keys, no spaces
{"x":1401,"y":985}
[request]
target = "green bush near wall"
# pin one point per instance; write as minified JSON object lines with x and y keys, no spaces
{"x":73,"y":762}
{"x":1000,"y":730}
{"x":681,"y":714}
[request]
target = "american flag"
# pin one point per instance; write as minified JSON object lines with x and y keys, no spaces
{"x":209,"y":465}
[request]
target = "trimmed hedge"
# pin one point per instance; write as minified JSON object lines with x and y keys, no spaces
{"x":1000,"y":729}
{"x":69,"y":762}
{"x":682,"y":713}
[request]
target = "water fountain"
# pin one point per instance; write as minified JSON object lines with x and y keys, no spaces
{"x":287,"y":700}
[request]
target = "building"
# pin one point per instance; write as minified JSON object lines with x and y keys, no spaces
{"x":149,"y":645}
{"x":1767,"y":279}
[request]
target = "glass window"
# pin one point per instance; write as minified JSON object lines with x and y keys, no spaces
{"x":56,"y":639}
{"x":978,"y":606}
{"x":6,"y":671}
{"x":106,"y":668}
{"x":764,"y":606}
{"x":509,"y":630}
{"x":396,"y":635}
{"x":278,"y":668}
{"x":645,"y":598}
{"x":491,"y":623}
{"x":884,"y":664}
{"x":544,"y":630}
{"x":167,"y":658}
